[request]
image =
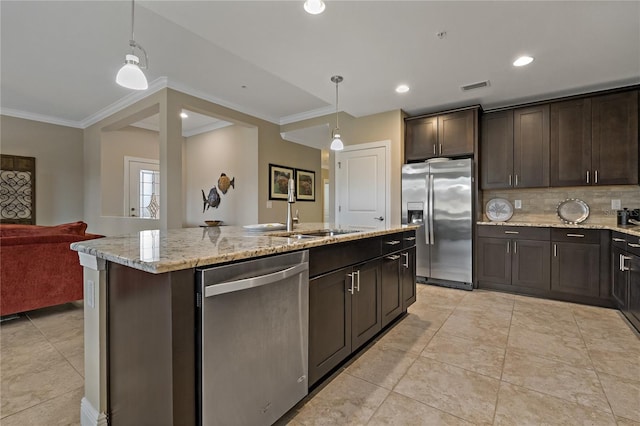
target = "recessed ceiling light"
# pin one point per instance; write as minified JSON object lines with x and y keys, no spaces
{"x":184,"y":115}
{"x":522,"y":61}
{"x":403,"y":88}
{"x":314,"y":7}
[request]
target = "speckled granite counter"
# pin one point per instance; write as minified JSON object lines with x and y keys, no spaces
{"x":547,"y":221}
{"x":164,"y":251}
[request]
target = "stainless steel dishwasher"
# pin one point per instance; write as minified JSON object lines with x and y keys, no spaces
{"x":252,"y":339}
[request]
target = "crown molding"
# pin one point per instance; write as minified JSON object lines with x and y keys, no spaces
{"x":155,"y":86}
{"x":40,"y":117}
{"x":201,"y":95}
{"x":307,"y":115}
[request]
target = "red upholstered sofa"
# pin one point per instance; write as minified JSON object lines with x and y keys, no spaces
{"x":37,"y":267}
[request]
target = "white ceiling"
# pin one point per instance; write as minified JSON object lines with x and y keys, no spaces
{"x":59,"y":58}
{"x":193,"y":124}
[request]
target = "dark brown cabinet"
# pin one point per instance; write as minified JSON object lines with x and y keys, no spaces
{"x":570,"y":142}
{"x":391,"y":288}
{"x":515,"y":148}
{"x":344,"y":313}
{"x":614,"y":139}
{"x":408,"y":277}
{"x":507,"y":258}
{"x":579,"y":259}
{"x":626,"y":275}
{"x":594,"y":141}
{"x":445,"y":135}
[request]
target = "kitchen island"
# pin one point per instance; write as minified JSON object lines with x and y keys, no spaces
{"x":140,"y":307}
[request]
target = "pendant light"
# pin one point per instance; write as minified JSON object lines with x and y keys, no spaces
{"x":314,"y":7}
{"x":336,"y":143}
{"x":131,"y":75}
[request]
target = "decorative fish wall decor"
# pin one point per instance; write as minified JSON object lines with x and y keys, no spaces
{"x":224,"y":183}
{"x":213,"y":200}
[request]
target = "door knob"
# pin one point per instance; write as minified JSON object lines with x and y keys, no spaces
{"x":380,"y":218}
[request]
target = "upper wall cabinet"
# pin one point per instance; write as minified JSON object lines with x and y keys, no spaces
{"x":445,"y":135}
{"x":514,"y":148}
{"x":594,"y":141}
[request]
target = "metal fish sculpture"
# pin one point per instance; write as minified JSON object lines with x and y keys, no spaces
{"x":213,"y":200}
{"x":224,"y":183}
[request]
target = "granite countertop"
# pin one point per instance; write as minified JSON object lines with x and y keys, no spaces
{"x":552,"y":221}
{"x":158,"y":251}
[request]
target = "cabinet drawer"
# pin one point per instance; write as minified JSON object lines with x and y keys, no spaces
{"x":408,"y":239}
{"x":519,"y":232}
{"x":633,"y":245}
{"x":576,"y":235}
{"x":391,"y":243}
{"x":619,"y":240}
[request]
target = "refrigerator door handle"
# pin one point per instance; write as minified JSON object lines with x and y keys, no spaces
{"x":431,"y":190}
{"x":425,"y":213}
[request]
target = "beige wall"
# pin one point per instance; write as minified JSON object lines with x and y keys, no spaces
{"x":117,"y":144}
{"x":372,"y":128}
{"x":59,"y":165}
{"x":231,"y":150}
{"x":173,"y":212}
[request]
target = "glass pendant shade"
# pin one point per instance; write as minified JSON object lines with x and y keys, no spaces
{"x":336,"y":143}
{"x":130,"y":75}
{"x":314,"y":7}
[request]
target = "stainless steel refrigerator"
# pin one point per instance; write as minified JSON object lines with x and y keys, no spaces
{"x":438,"y":195}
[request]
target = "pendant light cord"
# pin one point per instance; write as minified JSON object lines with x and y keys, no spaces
{"x":337,"y":125}
{"x":132,"y":42}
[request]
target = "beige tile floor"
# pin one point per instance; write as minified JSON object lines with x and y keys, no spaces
{"x":457,"y":358}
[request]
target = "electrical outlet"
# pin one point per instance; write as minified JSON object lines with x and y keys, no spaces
{"x":615,"y":205}
{"x":518,"y":204}
{"x":269,"y":204}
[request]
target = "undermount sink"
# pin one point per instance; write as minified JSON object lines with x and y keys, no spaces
{"x":328,"y":232}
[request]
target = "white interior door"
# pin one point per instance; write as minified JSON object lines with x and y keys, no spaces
{"x":142,"y":187}
{"x":362,"y":186}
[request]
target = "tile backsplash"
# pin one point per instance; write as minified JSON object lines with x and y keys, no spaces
{"x":544,"y":201}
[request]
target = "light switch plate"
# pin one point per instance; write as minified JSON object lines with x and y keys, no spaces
{"x":615,"y":205}
{"x":269,"y":204}
{"x":518,"y":204}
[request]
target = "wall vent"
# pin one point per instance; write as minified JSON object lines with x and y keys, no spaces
{"x":475,"y":85}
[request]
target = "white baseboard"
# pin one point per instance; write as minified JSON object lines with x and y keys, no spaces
{"x":89,"y":416}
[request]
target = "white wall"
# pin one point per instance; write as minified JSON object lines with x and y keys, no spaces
{"x":231,"y":150}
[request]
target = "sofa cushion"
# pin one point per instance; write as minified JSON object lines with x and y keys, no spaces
{"x":73,"y":228}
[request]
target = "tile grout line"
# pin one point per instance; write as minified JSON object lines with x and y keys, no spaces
{"x":504,"y":360}
{"x":42,"y":402}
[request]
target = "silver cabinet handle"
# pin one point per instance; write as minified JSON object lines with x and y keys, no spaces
{"x":511,"y":232}
{"x":434,"y":149}
{"x":222,"y":288}
{"x":516,"y":179}
{"x":633,"y":245}
{"x":555,"y":250}
{"x":406,"y":260}
{"x":508,"y":246}
{"x":596,"y":177}
{"x":393,"y":257}
{"x":410,"y":239}
{"x":515,"y":247}
{"x":509,"y":180}
{"x":358,"y":282}
{"x":587,"y":176}
{"x":392,"y":243}
{"x":622,"y":259}
{"x":380,"y":218}
{"x":620,"y":240}
{"x":352,"y":275}
{"x":575,"y":235}
{"x":440,"y":149}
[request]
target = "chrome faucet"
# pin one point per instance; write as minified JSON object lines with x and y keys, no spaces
{"x":291,"y":198}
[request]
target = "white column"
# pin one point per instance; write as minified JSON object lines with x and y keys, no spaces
{"x":93,"y":408}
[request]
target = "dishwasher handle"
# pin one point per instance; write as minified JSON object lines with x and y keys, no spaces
{"x":229,"y":287}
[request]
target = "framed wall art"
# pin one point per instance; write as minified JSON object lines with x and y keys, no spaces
{"x":17,"y":189}
{"x":305,"y":185}
{"x":279,"y":177}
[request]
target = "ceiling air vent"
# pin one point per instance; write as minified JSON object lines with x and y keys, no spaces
{"x":475,"y":85}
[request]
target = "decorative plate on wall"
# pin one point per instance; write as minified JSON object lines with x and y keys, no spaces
{"x":573,"y":211}
{"x":499,"y":210}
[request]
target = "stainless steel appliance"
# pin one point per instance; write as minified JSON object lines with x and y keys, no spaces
{"x":437,"y":194}
{"x":253,"y":339}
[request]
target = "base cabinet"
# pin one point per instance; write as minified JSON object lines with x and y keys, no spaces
{"x":408,"y":277}
{"x":575,"y":268}
{"x":625,"y":256}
